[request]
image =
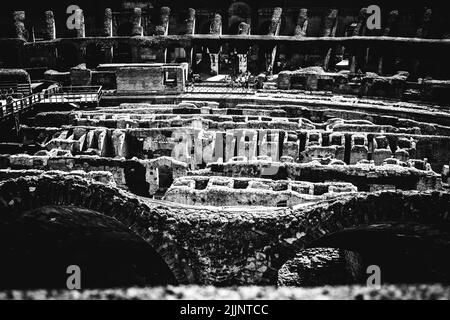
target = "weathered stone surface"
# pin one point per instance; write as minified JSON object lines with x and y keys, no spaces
{"x":320,"y":266}
{"x":217,"y":246}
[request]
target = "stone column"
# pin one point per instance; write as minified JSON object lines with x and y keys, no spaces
{"x":108,"y":50}
{"x":244,"y":29}
{"x":165,"y":16}
{"x":275,"y":23}
{"x":50,"y":28}
{"x":215,"y":29}
{"x":190,"y":22}
{"x":81,"y":31}
{"x":274,"y":30}
{"x":108,"y":23}
{"x":19,"y":24}
{"x":216,"y":25}
{"x":163,"y":28}
{"x":242,"y":62}
{"x":302,"y":24}
{"x":329,"y":30}
{"x":137,"y":31}
{"x":190,"y":30}
{"x":214,"y":58}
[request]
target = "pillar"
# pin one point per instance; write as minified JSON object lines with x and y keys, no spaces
{"x":190,"y":30}
{"x":242,"y":51}
{"x":81,"y":31}
{"x":165,"y":16}
{"x":215,"y":29}
{"x":216,"y":25}
{"x":242,"y":62}
{"x":214,"y":59}
{"x":190,"y":22}
{"x":137,"y":31}
{"x":329,"y":30}
{"x":108,"y":50}
{"x":19,"y":24}
{"x":108,"y":23}
{"x":302,"y":23}
{"x":50,"y":28}
{"x":274,"y":30}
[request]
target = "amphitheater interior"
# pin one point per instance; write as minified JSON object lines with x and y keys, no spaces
{"x":229,"y":145}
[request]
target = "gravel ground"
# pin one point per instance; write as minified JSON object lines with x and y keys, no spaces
{"x":390,"y":292}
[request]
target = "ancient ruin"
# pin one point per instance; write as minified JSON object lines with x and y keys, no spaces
{"x":230,"y":144}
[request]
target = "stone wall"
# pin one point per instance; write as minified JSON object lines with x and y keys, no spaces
{"x":150,"y":79}
{"x":221,"y":247}
{"x":224,"y":191}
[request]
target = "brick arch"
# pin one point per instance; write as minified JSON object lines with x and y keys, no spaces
{"x":25,"y":193}
{"x":241,"y":246}
{"x":366,"y":209}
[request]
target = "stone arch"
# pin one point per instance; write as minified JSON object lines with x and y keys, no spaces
{"x":38,"y":245}
{"x":26,"y":193}
{"x":244,"y":246}
{"x":380,"y":227}
{"x":365,"y":209}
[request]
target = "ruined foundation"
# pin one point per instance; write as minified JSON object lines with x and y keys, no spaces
{"x":206,"y":147}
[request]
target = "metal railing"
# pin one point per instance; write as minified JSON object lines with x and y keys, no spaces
{"x":55,"y":94}
{"x":86,"y":94}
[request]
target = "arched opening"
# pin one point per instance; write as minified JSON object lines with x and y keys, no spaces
{"x":264,"y":28}
{"x":67,"y":56}
{"x":125,"y":29}
{"x":38,"y":245}
{"x":9,"y":56}
{"x":234,"y":27}
{"x":165,"y":174}
{"x":404,"y":252}
{"x":94,"y":55}
{"x":122,"y":53}
{"x":176,"y":54}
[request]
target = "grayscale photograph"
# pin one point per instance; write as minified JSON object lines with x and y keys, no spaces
{"x":212,"y":150}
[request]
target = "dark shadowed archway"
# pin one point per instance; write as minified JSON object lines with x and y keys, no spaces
{"x":38,"y":245}
{"x":220,"y":246}
{"x":67,"y":55}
